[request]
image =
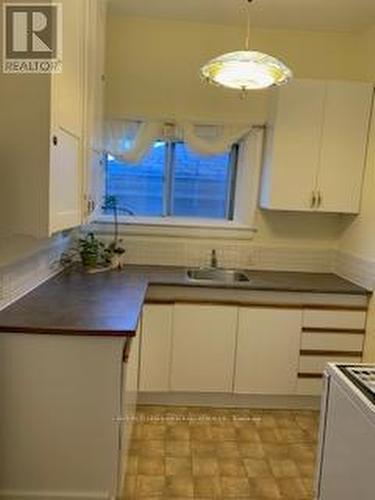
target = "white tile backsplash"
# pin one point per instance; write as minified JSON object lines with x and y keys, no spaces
{"x":239,"y":254}
{"x":27,"y":273}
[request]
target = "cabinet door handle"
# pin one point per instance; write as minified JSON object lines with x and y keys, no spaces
{"x":55,"y":140}
{"x":313,"y":200}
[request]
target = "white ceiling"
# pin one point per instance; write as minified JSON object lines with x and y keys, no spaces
{"x":335,"y":15}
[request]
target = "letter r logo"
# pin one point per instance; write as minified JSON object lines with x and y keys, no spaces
{"x":31,"y":31}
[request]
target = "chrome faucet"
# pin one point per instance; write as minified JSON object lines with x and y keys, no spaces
{"x":214,"y":262}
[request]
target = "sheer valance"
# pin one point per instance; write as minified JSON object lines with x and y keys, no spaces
{"x":130,"y":140}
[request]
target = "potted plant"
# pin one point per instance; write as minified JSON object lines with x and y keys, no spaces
{"x":91,"y":250}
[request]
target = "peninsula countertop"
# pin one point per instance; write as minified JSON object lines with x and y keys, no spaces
{"x":110,"y":303}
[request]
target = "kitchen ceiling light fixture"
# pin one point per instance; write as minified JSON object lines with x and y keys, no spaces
{"x":246,"y":69}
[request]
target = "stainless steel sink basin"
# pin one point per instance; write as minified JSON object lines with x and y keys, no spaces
{"x":217,"y":275}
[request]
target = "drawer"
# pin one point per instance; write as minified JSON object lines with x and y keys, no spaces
{"x":336,"y":319}
{"x":326,"y":341}
{"x":317,"y":364}
{"x":309,"y":386}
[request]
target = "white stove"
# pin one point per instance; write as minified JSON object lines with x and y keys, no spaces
{"x":363,"y":377}
{"x":347,"y":435}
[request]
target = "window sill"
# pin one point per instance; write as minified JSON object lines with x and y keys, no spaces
{"x":178,"y":227}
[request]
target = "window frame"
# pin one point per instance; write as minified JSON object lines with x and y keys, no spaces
{"x":169,"y":179}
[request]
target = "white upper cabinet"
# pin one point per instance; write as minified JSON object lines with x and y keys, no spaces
{"x":94,"y":109}
{"x":203,"y":351}
{"x":44,"y":130}
{"x":67,"y":91}
{"x":316,"y":147}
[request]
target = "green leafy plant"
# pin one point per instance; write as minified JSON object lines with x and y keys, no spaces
{"x":91,"y":250}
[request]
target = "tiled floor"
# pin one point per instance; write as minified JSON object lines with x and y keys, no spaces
{"x":200,"y":453}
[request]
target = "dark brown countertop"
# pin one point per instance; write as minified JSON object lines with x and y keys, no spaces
{"x":110,"y":303}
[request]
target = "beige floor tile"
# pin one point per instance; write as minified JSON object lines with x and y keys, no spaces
{"x":130,"y":486}
{"x":207,"y":487}
{"x":205,"y":466}
{"x":284,"y":468}
{"x":235,"y":487}
{"x":179,"y":486}
{"x":150,"y":485}
{"x":151,"y":466}
{"x":275,"y":450}
{"x":178,"y":448}
{"x":269,"y":436}
{"x":309,"y":485}
{"x":292,"y":436}
{"x":153,"y":431}
{"x":248,"y":434}
{"x":201,"y":433}
{"x":266,"y":488}
{"x":231,"y":467}
{"x":150,"y":448}
{"x":178,"y":432}
{"x":257,"y":468}
{"x":267,"y":422}
{"x":132,"y":465}
{"x":302,"y":451}
{"x":224,"y":432}
{"x":203,"y":448}
{"x":227,"y":449}
{"x":178,"y":466}
{"x":251,"y":450}
{"x":293,"y":489}
{"x":307,"y":468}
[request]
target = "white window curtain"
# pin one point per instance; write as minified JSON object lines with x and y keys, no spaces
{"x":212,"y":139}
{"x":130,"y":140}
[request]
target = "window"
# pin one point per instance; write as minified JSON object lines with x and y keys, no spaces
{"x":172,"y":180}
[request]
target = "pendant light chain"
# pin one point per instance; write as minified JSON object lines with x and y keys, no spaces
{"x":248,"y":28}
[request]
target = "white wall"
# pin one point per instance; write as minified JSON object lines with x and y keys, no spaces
{"x":153,"y":66}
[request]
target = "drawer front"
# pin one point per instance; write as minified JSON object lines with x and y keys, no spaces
{"x":326,"y":341}
{"x":310,"y":386}
{"x":336,"y":320}
{"x":317,"y":364}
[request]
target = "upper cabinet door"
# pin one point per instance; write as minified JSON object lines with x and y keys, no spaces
{"x":344,"y":145}
{"x":68,"y":85}
{"x":65,"y":183}
{"x":293,"y":146}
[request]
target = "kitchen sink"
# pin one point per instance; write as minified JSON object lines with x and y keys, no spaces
{"x":217,"y":275}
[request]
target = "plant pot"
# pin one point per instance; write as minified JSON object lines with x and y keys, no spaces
{"x":89,"y":260}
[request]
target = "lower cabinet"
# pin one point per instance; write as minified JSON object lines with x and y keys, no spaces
{"x":238,"y":349}
{"x":267,"y":350}
{"x":203,"y":352}
{"x":156,"y":348}
{"x":62,"y":397}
